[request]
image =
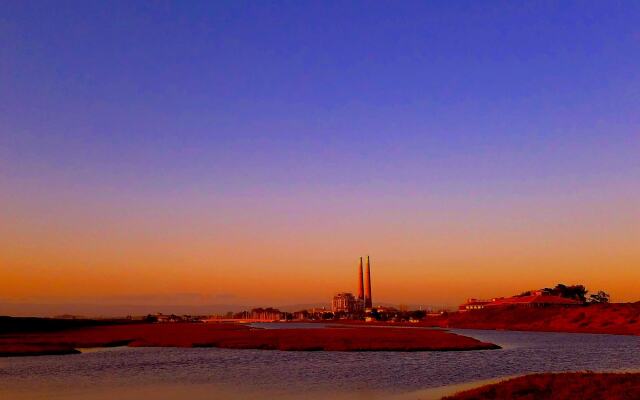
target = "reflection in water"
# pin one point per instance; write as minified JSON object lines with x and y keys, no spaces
{"x":171,"y":373}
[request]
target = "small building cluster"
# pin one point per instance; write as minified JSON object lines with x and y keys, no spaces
{"x":164,"y":318}
{"x":534,"y":298}
{"x":258,"y":314}
{"x":267,"y":314}
{"x":313,"y":314}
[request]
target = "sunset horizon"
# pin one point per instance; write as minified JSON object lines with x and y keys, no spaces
{"x":350,"y":200}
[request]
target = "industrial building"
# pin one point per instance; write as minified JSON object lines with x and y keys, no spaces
{"x":348,"y":303}
{"x":344,"y":303}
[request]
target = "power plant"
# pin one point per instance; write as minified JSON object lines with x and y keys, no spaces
{"x":348,"y":303}
{"x":360,"y":284}
{"x":367,"y":294}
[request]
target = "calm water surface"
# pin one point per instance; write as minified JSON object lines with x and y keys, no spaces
{"x":208,"y":373}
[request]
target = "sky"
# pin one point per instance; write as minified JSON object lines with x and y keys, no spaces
{"x":250,"y":152}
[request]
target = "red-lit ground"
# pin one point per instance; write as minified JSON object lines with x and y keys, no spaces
{"x":237,"y":337}
{"x":617,"y":318}
{"x":563,"y":386}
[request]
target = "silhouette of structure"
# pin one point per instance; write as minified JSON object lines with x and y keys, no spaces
{"x":348,"y":304}
{"x":368,"y":302}
{"x":360,"y":284}
{"x":344,"y":303}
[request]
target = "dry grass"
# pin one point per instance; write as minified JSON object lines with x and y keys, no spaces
{"x":238,"y":337}
{"x":617,"y":318}
{"x":563,"y":386}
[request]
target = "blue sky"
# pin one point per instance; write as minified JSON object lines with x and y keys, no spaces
{"x":313,"y":82}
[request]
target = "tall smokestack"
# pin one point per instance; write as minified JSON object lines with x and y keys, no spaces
{"x":368,"y":303}
{"x":360,"y":285}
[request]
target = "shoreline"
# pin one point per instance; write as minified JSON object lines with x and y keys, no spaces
{"x":483,"y":328}
{"x":557,"y":386}
{"x":609,"y":319}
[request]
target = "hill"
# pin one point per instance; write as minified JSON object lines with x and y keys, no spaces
{"x":614,"y":318}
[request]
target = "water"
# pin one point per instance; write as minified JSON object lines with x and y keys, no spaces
{"x":209,"y":373}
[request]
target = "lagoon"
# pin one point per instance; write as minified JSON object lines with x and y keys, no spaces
{"x":211,"y":373}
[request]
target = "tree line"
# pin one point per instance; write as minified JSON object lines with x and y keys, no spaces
{"x":574,"y":292}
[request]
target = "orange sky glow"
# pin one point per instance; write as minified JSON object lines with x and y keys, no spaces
{"x":303,"y":247}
